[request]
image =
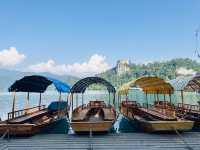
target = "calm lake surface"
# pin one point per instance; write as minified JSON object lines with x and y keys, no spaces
{"x":48,"y":97}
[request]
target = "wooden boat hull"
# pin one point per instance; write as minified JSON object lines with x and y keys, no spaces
{"x":189,"y":112}
{"x":160,"y":126}
{"x":156,"y":125}
{"x":18,"y":129}
{"x":60,"y":126}
{"x":103,"y":126}
{"x":27,"y":129}
{"x":95,"y":117}
{"x":164,"y":126}
{"x":191,"y":117}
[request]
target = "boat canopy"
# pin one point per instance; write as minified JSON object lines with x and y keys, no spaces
{"x":38,"y":84}
{"x":82,"y":84}
{"x":150,"y":85}
{"x":189,"y":84}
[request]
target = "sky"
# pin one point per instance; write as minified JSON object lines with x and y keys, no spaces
{"x":83,"y":37}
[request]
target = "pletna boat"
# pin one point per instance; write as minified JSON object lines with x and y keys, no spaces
{"x":158,"y":117}
{"x":191,"y":109}
{"x":32,"y":120}
{"x":96,"y":115}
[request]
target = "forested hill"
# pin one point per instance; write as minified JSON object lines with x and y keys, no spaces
{"x":120,"y":74}
{"x":166,"y":70}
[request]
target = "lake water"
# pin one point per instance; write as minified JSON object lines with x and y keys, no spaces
{"x":48,"y":97}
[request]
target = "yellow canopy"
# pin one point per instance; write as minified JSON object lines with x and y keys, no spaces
{"x":123,"y":90}
{"x":150,"y":85}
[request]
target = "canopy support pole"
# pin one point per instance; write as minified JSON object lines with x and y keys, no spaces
{"x":27,"y":102}
{"x":67,"y":99}
{"x":147,"y":101}
{"x":60,"y":96}
{"x":118,"y":100}
{"x":165,"y":106}
{"x":13,"y":105}
{"x":72,"y":102}
{"x":82,"y":100}
{"x":157,"y":97}
{"x":109,"y":98}
{"x":67,"y":107}
{"x":126,"y":97}
{"x":40,"y":100}
{"x":182,"y":99}
{"x":76,"y":100}
{"x":59,"y":100}
{"x":154,"y":97}
{"x":170,"y":98}
{"x":127,"y":107}
{"x":114,"y":99}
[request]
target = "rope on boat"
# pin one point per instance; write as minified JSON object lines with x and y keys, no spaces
{"x":4,"y":135}
{"x":183,"y":140}
{"x":4,"y":145}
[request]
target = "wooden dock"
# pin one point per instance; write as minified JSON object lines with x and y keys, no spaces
{"x":122,"y":141}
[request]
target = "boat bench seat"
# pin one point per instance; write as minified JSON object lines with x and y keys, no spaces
{"x":80,"y":115}
{"x":28,"y":117}
{"x":159,"y":115}
{"x":107,"y":114}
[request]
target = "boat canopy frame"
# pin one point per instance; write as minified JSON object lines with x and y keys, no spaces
{"x":36,"y":84}
{"x":149,"y":85}
{"x":186,"y":84}
{"x":81,"y":86}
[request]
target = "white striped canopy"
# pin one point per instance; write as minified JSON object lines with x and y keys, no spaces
{"x":189,"y":84}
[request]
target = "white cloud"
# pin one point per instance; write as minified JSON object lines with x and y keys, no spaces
{"x":184,"y":71}
{"x":10,"y":57}
{"x":96,"y":64}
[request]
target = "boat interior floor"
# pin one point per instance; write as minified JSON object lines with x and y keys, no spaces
{"x":93,"y":115}
{"x":149,"y":114}
{"x":154,"y":115}
{"x":39,"y":117}
{"x":28,"y":117}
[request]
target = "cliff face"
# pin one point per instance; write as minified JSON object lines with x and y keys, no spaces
{"x":122,"y":67}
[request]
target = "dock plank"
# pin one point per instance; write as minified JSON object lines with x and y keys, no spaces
{"x":122,"y":141}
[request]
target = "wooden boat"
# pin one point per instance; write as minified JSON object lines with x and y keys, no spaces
{"x":96,"y":116}
{"x":36,"y":119}
{"x":32,"y":122}
{"x":161,"y":116}
{"x":190,"y":112}
{"x":153,"y":119}
{"x":183,"y":110}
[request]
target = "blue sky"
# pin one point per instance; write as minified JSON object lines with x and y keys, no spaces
{"x":69,"y":32}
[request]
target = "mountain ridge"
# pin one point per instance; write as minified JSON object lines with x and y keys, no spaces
{"x":8,"y":77}
{"x":163,"y":69}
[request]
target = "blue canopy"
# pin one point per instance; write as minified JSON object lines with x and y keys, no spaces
{"x":38,"y":84}
{"x":60,"y":86}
